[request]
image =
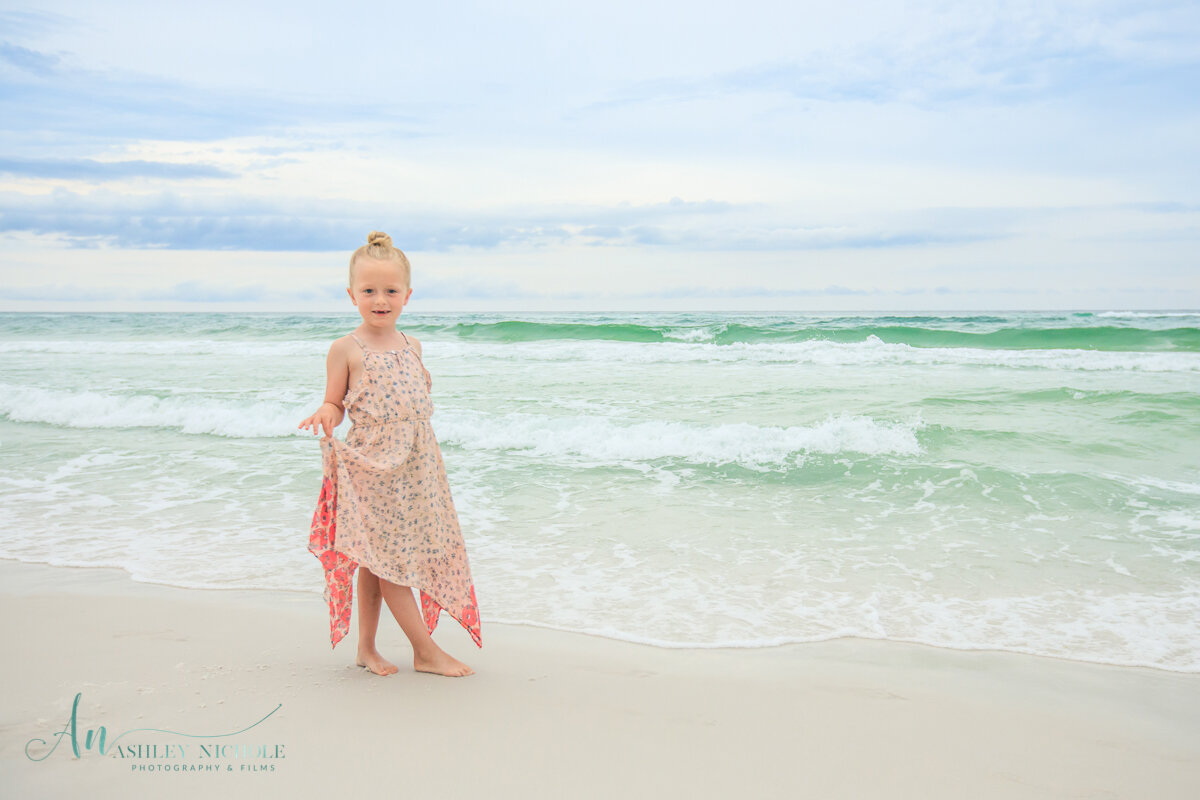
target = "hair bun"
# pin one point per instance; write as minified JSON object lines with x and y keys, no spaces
{"x":379,"y":237}
{"x":379,"y":247}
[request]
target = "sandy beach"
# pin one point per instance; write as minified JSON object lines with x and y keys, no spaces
{"x":549,"y":714}
{"x":796,"y":401}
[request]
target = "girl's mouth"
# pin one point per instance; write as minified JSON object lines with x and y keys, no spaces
{"x":381,"y":313}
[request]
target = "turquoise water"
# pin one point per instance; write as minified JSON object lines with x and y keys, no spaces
{"x":1014,"y":481}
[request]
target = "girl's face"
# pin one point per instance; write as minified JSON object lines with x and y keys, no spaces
{"x":378,"y":291}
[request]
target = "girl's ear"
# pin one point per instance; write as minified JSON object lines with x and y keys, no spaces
{"x":350,"y":292}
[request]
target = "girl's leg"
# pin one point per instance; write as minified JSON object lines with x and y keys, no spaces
{"x":370,"y":600}
{"x":427,"y":656}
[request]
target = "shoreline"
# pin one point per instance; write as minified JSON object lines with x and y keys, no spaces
{"x":551,"y":713}
{"x":119,"y":575}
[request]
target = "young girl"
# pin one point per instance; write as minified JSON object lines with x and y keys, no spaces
{"x":385,"y":504}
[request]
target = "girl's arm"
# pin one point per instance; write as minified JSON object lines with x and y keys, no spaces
{"x":416,"y":343}
{"x":337,"y":378}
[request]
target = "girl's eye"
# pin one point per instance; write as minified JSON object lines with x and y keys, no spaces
{"x":392,"y":291}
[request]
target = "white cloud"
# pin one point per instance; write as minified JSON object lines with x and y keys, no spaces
{"x":1031,"y":143}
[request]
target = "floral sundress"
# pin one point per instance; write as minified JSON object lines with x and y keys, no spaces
{"x":385,"y":502}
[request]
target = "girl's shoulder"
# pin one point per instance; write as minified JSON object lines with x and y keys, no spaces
{"x":344,"y":346}
{"x":414,"y":341}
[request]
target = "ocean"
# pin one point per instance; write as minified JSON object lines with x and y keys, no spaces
{"x":1018,"y":481}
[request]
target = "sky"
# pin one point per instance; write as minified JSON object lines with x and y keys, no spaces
{"x":624,"y":156}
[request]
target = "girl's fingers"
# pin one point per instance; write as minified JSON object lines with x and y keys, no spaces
{"x":318,"y":425}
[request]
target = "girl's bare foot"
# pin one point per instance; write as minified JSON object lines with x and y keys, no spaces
{"x":441,"y":663}
{"x":372,"y":660}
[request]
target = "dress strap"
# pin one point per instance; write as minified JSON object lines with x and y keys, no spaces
{"x":360,"y":342}
{"x":408,"y":344}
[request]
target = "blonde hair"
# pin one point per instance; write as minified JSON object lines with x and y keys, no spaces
{"x":379,"y":247}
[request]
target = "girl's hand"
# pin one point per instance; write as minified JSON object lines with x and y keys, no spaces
{"x":327,"y":417}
